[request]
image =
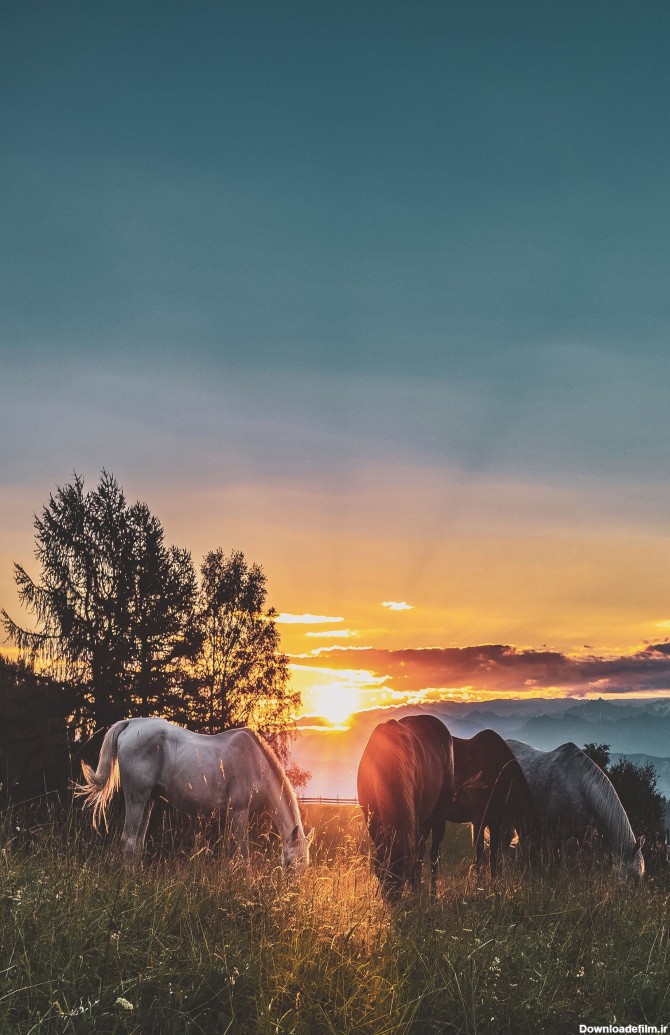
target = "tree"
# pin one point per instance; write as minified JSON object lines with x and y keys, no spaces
{"x":644,"y":804}
{"x":600,"y":753}
{"x":243,"y":675}
{"x":114,"y":605}
{"x":162,"y":612}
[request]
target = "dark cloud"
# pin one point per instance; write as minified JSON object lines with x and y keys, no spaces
{"x":503,"y":668}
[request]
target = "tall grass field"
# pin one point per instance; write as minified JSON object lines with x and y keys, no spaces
{"x":199,"y":944}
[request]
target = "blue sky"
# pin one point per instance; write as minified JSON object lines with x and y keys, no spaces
{"x":302,"y":272}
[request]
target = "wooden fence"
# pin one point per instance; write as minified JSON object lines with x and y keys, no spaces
{"x":319,"y":800}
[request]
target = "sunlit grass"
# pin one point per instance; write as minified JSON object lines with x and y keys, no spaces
{"x":198,"y":944}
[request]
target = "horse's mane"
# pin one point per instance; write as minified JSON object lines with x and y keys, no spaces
{"x":608,"y":813}
{"x":277,"y":768}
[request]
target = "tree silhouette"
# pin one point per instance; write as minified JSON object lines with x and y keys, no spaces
{"x":644,"y":804}
{"x":162,"y":613}
{"x":113,"y":605}
{"x":242,"y":673}
{"x":120,"y":616}
{"x":600,"y":753}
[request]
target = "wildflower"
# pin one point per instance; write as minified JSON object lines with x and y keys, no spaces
{"x":125,"y":1004}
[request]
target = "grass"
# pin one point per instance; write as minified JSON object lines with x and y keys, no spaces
{"x":196,"y":944}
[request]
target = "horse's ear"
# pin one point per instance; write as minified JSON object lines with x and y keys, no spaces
{"x":310,"y":837}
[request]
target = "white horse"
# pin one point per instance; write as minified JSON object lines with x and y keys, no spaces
{"x":571,"y":794}
{"x":235,"y":773}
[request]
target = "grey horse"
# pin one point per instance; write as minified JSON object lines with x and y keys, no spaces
{"x":571,"y":794}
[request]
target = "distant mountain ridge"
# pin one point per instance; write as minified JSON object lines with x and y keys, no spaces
{"x":638,"y":730}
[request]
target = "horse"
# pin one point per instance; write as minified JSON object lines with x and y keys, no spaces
{"x":233,"y":773}
{"x":405,"y":779}
{"x":492,"y":793}
{"x":573,"y":794}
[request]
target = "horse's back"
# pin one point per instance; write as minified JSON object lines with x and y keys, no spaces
{"x":428,"y":727}
{"x":195,"y":771}
{"x":491,"y":785}
{"x":539,"y":767}
{"x":434,"y":776}
{"x":384,"y":757}
{"x":143,"y":739}
{"x":556,"y":781}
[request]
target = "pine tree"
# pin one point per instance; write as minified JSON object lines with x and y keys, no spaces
{"x":113,"y":606}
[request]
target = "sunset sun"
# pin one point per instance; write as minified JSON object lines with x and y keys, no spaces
{"x":335,"y":701}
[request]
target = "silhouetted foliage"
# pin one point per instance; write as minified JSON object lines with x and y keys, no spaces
{"x":120,"y":617}
{"x":113,"y":606}
{"x":600,"y":753}
{"x":34,"y":755}
{"x":645,"y":805}
{"x":242,"y":673}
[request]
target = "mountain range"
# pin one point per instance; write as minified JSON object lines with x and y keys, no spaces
{"x":639,"y":730}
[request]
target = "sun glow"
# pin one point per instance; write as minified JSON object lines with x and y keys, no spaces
{"x":335,"y":701}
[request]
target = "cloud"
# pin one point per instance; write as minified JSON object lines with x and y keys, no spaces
{"x":288,"y":619}
{"x":397,"y":605}
{"x":500,"y":668}
{"x":342,"y":634}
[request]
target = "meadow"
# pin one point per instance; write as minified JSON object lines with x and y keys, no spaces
{"x":198,"y":944}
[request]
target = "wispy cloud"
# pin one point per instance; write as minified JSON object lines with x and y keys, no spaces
{"x":358,"y":676}
{"x":397,"y":605}
{"x":343,"y":634}
{"x":289,"y":619}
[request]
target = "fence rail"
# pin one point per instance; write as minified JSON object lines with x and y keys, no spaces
{"x":320,"y":800}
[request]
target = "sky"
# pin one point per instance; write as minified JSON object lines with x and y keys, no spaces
{"x":376,"y":293}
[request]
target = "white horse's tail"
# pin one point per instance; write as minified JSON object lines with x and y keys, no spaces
{"x":100,"y":786}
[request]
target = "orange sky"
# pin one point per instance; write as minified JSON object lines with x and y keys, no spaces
{"x":484,"y":561}
{"x":442,"y":564}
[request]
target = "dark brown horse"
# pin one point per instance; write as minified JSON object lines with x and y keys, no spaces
{"x":491,"y":792}
{"x":405,"y":783}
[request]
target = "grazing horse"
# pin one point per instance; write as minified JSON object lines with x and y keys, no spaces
{"x":405,"y":779}
{"x":492,"y":793}
{"x":234,"y":772}
{"x":572,"y":794}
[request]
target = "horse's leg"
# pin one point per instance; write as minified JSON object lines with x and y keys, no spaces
{"x":420,"y":853}
{"x":239,"y":824}
{"x":138,"y":812}
{"x":435,"y":843}
{"x":478,"y":828}
{"x":494,"y":846}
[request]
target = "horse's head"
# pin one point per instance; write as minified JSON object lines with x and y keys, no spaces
{"x":393,"y":860}
{"x":296,"y":849}
{"x":631,"y":863}
{"x":472,"y":786}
